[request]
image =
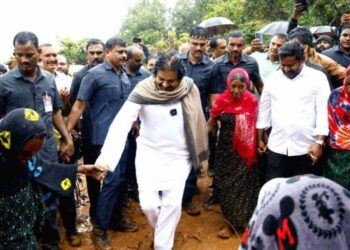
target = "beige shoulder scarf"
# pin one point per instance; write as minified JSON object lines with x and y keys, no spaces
{"x":187,"y":92}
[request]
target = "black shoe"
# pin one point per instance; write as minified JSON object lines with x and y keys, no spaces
{"x":100,"y":239}
{"x":124,"y":226}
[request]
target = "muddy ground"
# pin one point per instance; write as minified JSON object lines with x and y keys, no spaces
{"x":193,"y":232}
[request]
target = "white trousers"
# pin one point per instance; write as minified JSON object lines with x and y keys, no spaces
{"x":163,"y":211}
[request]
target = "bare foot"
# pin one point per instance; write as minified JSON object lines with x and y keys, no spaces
{"x":225,"y":232}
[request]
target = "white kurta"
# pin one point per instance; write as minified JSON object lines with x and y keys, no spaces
{"x":162,"y":157}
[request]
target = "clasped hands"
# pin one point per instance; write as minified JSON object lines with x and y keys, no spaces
{"x":97,"y":171}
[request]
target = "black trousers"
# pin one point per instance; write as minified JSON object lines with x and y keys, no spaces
{"x":279,"y":165}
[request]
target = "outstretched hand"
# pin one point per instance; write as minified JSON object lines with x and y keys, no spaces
{"x":97,"y":172}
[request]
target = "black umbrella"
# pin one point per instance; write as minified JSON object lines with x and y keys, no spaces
{"x":217,"y":25}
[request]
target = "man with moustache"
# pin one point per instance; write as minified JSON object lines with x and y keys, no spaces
{"x":105,"y":88}
{"x":49,"y":62}
{"x":95,"y":55}
{"x":27,"y":85}
{"x":217,"y":47}
{"x":269,"y":62}
{"x":234,"y":58}
{"x":323,"y":43}
{"x":67,"y":209}
{"x":294,"y":104}
{"x":202,"y":70}
{"x":341,"y":53}
{"x":62,"y":65}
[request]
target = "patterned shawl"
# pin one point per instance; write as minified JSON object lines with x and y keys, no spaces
{"x":339,"y":117}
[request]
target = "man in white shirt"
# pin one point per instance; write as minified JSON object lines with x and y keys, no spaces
{"x":172,"y":139}
{"x":294,"y":104}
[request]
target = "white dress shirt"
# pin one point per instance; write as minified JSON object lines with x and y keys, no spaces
{"x":162,"y":157}
{"x":296,"y":109}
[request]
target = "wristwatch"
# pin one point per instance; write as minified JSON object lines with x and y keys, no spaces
{"x":320,"y":142}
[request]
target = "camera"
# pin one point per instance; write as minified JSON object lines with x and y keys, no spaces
{"x":304,"y":3}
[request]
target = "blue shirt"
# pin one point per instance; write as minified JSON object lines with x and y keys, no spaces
{"x":17,"y":91}
{"x":225,"y":66}
{"x":204,"y":75}
{"x":106,"y":91}
{"x":140,"y":75}
{"x":74,"y":90}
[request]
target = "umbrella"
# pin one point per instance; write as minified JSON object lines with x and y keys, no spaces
{"x":274,"y":28}
{"x":323,"y":30}
{"x":217,"y":25}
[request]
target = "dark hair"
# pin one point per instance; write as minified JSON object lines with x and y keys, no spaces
{"x":115,"y":41}
{"x":94,"y":41}
{"x":25,"y":37}
{"x":236,"y":34}
{"x":3,"y":68}
{"x":169,"y":61}
{"x":213,"y":43}
{"x":199,"y":32}
{"x":292,"y":48}
{"x":136,"y":40}
{"x":302,"y":34}
{"x":344,"y":27}
{"x":282,"y":36}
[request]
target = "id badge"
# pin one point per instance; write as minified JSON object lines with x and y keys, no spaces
{"x":47,"y":103}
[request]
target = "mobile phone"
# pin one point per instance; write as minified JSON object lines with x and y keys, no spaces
{"x":304,"y":3}
{"x":259,"y":36}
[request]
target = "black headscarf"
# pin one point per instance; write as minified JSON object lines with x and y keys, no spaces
{"x":16,"y":128}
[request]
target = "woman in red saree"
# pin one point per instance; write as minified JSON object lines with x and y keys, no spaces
{"x":235,"y":171}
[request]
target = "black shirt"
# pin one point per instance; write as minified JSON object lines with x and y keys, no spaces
{"x":225,"y":66}
{"x":337,"y":55}
{"x":204,"y":75}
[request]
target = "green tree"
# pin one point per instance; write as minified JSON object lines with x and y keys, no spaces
{"x":146,"y":19}
{"x":169,"y":42}
{"x":74,"y":51}
{"x":187,"y":14}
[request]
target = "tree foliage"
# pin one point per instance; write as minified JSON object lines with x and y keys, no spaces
{"x":170,"y":42}
{"x":74,"y":51}
{"x":146,"y":19}
{"x":187,"y":14}
{"x":150,"y":19}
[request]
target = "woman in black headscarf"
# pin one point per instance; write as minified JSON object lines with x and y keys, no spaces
{"x":22,"y":135}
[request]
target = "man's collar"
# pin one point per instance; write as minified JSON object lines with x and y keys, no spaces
{"x":18,"y":74}
{"x":244,"y":58}
{"x":108,"y":66}
{"x":205,"y":59}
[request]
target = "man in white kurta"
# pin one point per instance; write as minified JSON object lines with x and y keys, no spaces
{"x":168,"y":107}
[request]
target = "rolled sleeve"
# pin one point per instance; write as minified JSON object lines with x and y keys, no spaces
{"x":87,"y":87}
{"x":322,"y":95}
{"x":117,"y":134}
{"x":264,"y":115}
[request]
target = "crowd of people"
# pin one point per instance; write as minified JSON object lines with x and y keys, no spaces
{"x":143,"y":126}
